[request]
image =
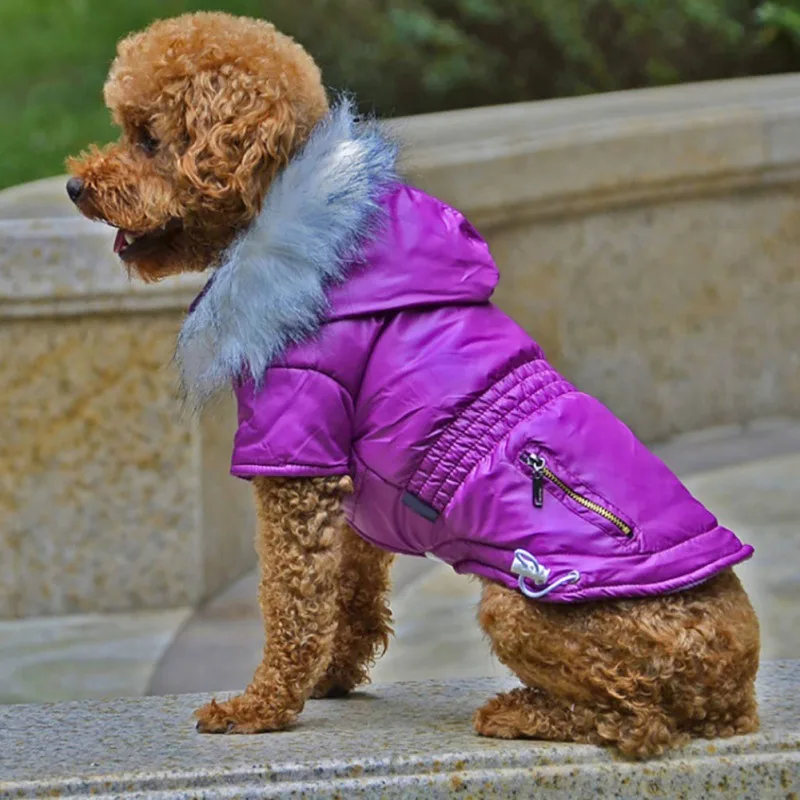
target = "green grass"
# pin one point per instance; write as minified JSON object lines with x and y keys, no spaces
{"x":396,"y":56}
{"x":54,"y":60}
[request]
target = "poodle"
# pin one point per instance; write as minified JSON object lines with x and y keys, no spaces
{"x":386,"y":405}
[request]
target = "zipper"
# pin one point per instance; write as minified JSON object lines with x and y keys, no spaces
{"x":541,"y":472}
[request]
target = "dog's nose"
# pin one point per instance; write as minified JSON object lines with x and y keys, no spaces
{"x":74,"y":189}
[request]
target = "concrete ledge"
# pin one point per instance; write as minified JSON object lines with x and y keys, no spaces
{"x":507,"y":164}
{"x":501,"y":165}
{"x":65,"y":266}
{"x":403,"y":741}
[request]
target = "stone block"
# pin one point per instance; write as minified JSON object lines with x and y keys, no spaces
{"x":110,"y":498}
{"x":647,"y":239}
{"x":679,"y":315}
{"x":407,"y":741}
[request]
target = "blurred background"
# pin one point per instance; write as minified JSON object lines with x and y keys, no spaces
{"x":398,"y":56}
{"x":635,"y":166}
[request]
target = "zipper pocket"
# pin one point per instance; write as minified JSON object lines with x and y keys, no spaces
{"x":540,"y":472}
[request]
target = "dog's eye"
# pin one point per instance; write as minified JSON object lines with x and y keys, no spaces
{"x":147,"y":141}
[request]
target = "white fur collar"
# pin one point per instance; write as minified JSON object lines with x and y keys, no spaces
{"x":269,"y":291}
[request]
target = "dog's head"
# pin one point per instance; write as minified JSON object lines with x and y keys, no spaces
{"x":210,"y":107}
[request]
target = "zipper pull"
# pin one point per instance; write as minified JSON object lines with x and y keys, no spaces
{"x":538,"y":466}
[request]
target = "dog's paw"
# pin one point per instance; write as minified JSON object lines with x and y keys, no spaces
{"x":340,"y":680}
{"x":245,"y":714}
{"x":495,"y":724}
{"x":329,"y":691}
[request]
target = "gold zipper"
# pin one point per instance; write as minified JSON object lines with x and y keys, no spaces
{"x":540,"y":471}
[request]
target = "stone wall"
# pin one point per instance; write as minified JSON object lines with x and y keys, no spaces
{"x":648,"y":239}
{"x":110,"y":498}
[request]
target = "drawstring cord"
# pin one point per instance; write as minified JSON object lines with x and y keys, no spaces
{"x":527,"y":566}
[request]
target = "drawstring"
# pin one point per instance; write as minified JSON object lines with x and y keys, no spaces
{"x":570,"y":577}
{"x":527,"y":566}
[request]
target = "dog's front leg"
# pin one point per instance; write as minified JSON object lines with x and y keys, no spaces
{"x":365,"y":621}
{"x":299,"y":559}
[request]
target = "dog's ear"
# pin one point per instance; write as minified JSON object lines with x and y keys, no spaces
{"x":238,"y":134}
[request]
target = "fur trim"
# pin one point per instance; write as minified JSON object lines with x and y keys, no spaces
{"x":269,"y":290}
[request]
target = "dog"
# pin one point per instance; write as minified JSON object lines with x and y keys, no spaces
{"x":387,"y":406}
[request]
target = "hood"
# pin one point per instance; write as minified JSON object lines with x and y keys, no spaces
{"x":337,"y":211}
{"x":427,"y":253}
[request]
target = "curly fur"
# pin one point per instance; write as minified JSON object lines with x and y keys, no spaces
{"x":231,"y":102}
{"x":642,"y":675}
{"x":300,"y":554}
{"x":270,"y":288}
{"x":365,"y":621}
{"x":228,"y":100}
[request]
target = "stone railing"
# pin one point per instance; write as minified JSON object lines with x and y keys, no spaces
{"x":648,"y":239}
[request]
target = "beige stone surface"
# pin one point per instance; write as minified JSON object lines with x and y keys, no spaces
{"x":53,"y":262}
{"x":65,"y":266}
{"x":42,"y":199}
{"x":87,"y":657}
{"x":678,"y":315}
{"x":110,"y":497}
{"x":225,"y":504}
{"x":759,"y":502}
{"x":647,"y":239}
{"x":98,"y":491}
{"x":570,"y":155}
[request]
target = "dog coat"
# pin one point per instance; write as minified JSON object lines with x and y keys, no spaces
{"x":354,"y":318}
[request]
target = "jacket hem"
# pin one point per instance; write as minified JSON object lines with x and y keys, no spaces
{"x":249,"y":471}
{"x":657,"y":588}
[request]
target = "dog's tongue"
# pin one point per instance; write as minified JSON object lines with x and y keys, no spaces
{"x":119,"y":243}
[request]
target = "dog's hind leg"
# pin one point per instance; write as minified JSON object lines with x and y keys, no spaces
{"x":585,"y":680}
{"x":364,"y":618}
{"x":645,"y":673}
{"x":717,"y":696}
{"x":527,"y":713}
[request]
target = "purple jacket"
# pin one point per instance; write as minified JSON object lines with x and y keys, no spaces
{"x":463,"y":441}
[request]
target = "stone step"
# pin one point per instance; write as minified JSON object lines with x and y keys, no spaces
{"x":411,"y":740}
{"x":85,"y":656}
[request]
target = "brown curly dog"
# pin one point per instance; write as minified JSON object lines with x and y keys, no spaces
{"x":210,"y":108}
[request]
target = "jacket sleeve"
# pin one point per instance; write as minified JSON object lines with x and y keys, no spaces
{"x":298,"y":423}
